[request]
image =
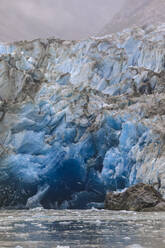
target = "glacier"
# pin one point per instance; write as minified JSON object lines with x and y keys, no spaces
{"x":79,"y":118}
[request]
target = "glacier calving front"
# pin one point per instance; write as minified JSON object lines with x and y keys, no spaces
{"x":81,"y":117}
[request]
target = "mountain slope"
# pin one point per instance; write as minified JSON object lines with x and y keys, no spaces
{"x":142,"y":12}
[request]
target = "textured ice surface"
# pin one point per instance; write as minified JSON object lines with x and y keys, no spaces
{"x":78,"y":118}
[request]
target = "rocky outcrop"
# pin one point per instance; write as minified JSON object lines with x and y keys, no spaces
{"x":81,"y":117}
{"x":140,"y":197}
{"x":136,"y":13}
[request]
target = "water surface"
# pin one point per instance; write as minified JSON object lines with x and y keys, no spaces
{"x":39,"y":228}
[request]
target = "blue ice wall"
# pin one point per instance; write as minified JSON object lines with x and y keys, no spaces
{"x":76,"y":128}
{"x":118,"y":161}
{"x":77,"y":168}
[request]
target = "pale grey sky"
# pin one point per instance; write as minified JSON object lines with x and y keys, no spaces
{"x":68,"y":19}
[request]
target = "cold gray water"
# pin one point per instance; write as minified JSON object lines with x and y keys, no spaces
{"x":39,"y":228}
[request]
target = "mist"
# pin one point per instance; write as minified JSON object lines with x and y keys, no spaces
{"x":65,"y":19}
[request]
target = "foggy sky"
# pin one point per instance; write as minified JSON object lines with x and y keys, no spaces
{"x":66,"y":19}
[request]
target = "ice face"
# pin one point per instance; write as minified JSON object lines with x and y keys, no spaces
{"x":80,"y":117}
